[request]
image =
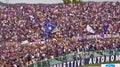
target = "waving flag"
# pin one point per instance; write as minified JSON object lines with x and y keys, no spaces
{"x":89,"y":29}
{"x":48,"y":27}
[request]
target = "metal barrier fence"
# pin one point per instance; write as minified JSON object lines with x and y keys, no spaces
{"x":73,"y":56}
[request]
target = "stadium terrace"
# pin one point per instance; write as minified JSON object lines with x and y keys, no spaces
{"x":35,"y":32}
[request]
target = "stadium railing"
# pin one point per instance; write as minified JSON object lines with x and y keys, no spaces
{"x":73,"y":56}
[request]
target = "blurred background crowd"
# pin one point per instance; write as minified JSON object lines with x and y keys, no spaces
{"x":24,"y":22}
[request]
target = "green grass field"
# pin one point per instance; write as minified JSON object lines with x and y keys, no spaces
{"x":99,"y":65}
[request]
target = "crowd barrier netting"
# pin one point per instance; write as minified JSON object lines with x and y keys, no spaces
{"x":81,"y":58}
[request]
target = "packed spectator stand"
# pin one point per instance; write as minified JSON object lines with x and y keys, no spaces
{"x":24,"y":22}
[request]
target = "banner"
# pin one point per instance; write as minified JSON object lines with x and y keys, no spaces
{"x":82,"y":62}
{"x":85,"y":37}
{"x":90,"y":29}
{"x":110,"y":65}
{"x":97,"y":36}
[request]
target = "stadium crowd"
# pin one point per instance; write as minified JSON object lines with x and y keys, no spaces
{"x":24,"y":22}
